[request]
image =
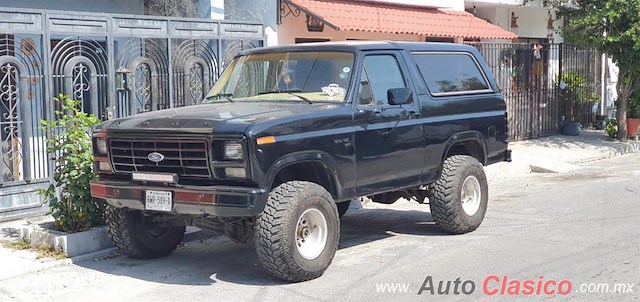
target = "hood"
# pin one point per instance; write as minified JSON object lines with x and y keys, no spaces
{"x":211,"y":116}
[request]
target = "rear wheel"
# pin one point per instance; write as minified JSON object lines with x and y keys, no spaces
{"x":297,"y":233}
{"x":142,"y":236}
{"x":459,"y":198}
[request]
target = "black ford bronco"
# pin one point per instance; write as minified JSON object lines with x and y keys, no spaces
{"x":289,"y":135}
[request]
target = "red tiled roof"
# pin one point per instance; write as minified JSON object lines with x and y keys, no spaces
{"x":387,"y":17}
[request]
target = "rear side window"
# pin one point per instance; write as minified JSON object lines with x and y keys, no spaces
{"x":451,"y":73}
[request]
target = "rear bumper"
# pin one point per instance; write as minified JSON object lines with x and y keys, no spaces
{"x":220,"y":201}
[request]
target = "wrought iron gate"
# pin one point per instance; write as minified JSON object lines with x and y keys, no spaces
{"x":116,"y":65}
{"x":545,"y":85}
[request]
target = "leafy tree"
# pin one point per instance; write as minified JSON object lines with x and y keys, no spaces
{"x":612,"y":27}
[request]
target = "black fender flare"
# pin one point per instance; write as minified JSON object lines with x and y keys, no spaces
{"x":315,"y":156}
{"x":463,"y":137}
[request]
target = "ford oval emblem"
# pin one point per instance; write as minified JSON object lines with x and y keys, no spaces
{"x":155,"y":157}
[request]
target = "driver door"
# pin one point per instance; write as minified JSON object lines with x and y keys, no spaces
{"x":389,"y":138}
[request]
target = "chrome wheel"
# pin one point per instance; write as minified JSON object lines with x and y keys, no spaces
{"x":311,"y":233}
{"x":471,"y":195}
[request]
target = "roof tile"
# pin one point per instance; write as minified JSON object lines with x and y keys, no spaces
{"x":384,"y":17}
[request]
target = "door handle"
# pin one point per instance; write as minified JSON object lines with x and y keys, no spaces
{"x":413,"y":114}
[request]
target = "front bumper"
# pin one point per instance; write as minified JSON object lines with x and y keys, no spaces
{"x":220,"y":201}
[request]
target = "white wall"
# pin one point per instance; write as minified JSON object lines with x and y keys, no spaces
{"x":296,"y":27}
{"x":532,"y":21}
{"x":532,"y":17}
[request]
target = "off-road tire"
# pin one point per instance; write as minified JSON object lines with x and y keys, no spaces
{"x":445,"y":195}
{"x":343,"y":207}
{"x":276,"y":226}
{"x":128,"y":231}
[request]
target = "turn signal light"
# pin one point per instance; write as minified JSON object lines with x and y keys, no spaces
{"x":235,"y":172}
{"x":104,"y":166}
{"x":266,"y":140}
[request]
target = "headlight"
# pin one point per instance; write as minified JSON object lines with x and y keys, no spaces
{"x":101,"y":146}
{"x":233,"y":150}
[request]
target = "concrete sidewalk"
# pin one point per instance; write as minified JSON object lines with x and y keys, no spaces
{"x":549,"y":154}
{"x":15,"y":263}
{"x":19,"y":262}
{"x":559,"y":153}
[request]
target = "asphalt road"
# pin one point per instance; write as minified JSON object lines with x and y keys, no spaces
{"x":581,"y":227}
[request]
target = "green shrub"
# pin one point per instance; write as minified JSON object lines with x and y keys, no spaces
{"x":611,"y":127}
{"x":633,"y":111}
{"x":578,"y":89}
{"x":69,"y":142}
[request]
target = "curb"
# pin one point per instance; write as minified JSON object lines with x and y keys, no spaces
{"x":628,"y":147}
{"x":619,"y":149}
{"x":530,"y":163}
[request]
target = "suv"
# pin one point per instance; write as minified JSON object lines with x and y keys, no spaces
{"x":289,"y":135}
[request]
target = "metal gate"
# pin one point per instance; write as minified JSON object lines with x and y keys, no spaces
{"x":116,"y":65}
{"x":545,"y":85}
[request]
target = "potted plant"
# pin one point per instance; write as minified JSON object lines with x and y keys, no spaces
{"x":576,"y":97}
{"x":633,"y":114}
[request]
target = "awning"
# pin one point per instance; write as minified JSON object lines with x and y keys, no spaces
{"x":384,"y":17}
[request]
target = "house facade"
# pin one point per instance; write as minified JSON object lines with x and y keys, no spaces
{"x":417,"y":21}
{"x":339,"y":20}
{"x":118,"y":57}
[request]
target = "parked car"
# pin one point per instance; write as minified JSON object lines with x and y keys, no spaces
{"x":289,"y":135}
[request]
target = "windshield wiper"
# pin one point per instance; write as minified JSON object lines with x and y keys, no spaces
{"x":226,"y":96}
{"x":289,"y":92}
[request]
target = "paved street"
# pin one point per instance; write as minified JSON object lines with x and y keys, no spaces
{"x":581,"y":226}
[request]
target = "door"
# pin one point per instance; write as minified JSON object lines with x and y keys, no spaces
{"x":389,"y":138}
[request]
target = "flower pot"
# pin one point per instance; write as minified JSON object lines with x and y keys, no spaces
{"x":632,"y":126}
{"x":571,"y":128}
{"x":601,"y":120}
{"x":71,"y":244}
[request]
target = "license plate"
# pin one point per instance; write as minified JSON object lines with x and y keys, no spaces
{"x":158,"y":201}
{"x":154,"y":177}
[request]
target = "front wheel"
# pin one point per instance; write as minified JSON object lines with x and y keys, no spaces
{"x":142,"y":236}
{"x":459,"y":198}
{"x":297,"y":233}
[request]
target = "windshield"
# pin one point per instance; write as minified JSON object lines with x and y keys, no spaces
{"x":297,"y":76}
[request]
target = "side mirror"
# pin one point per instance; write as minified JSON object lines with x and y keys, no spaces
{"x":399,"y":96}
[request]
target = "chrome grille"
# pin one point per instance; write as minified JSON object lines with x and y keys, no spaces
{"x":183,"y":157}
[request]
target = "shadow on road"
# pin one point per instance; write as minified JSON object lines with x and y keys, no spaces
{"x":207,"y":261}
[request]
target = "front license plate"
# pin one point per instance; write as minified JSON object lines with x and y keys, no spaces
{"x":158,"y":201}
